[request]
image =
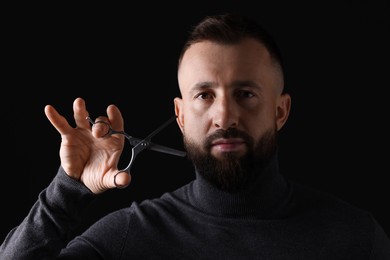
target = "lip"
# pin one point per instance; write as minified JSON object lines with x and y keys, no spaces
{"x":229,"y":144}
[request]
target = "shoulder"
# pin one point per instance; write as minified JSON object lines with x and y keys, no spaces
{"x":310,"y":198}
{"x":330,"y":210}
{"x":340,"y":223}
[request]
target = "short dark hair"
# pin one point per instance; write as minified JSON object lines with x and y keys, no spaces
{"x":230,"y":28}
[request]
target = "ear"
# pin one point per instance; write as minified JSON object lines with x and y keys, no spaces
{"x":178,"y":102}
{"x":282,"y":110}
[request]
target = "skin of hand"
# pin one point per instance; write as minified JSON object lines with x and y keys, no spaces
{"x":86,"y":154}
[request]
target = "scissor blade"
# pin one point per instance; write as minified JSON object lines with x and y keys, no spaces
{"x":159,"y":148}
{"x":161,"y":127}
{"x":155,"y":147}
{"x":164,"y":149}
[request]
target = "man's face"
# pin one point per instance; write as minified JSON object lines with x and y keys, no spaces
{"x":231,"y":108}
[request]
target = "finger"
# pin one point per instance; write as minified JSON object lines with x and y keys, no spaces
{"x":58,"y":121}
{"x":121,"y":180}
{"x":115,"y":117}
{"x":101,"y":127}
{"x":80,"y":113}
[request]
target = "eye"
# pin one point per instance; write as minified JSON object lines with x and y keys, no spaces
{"x":244,"y":94}
{"x":203,"y":95}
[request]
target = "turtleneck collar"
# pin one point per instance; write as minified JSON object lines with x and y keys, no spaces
{"x":266,"y":198}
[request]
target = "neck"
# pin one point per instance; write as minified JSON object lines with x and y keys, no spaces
{"x":262,"y":199}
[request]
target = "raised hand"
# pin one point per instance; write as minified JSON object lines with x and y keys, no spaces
{"x":86,"y":153}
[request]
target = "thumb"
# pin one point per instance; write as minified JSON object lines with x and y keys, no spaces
{"x":121,"y":180}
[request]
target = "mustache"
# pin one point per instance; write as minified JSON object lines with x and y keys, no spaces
{"x":228,"y":133}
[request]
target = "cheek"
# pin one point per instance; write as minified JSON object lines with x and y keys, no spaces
{"x":194,"y":127}
{"x":198,"y":109}
{"x":257,"y":124}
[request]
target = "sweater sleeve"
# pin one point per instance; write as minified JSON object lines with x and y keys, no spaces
{"x":51,"y":221}
{"x":381,"y":243}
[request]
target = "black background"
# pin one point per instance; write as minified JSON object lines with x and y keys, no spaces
{"x":337,"y":72}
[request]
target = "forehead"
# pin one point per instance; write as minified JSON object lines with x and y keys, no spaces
{"x":246,"y":51}
{"x":209,"y":61}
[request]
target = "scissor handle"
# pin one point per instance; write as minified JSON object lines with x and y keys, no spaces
{"x":139,"y":145}
{"x":134,"y":152}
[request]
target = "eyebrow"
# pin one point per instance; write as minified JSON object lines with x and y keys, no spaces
{"x":236,"y":84}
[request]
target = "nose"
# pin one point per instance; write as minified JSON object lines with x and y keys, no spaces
{"x":225,"y":113}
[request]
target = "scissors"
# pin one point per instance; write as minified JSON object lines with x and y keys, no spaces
{"x":139,"y":145}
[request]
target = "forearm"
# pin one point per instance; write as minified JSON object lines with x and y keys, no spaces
{"x":51,"y":221}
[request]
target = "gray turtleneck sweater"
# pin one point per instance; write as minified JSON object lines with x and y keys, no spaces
{"x":274,"y":219}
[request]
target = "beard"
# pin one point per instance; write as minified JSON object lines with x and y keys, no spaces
{"x":231,"y":172}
